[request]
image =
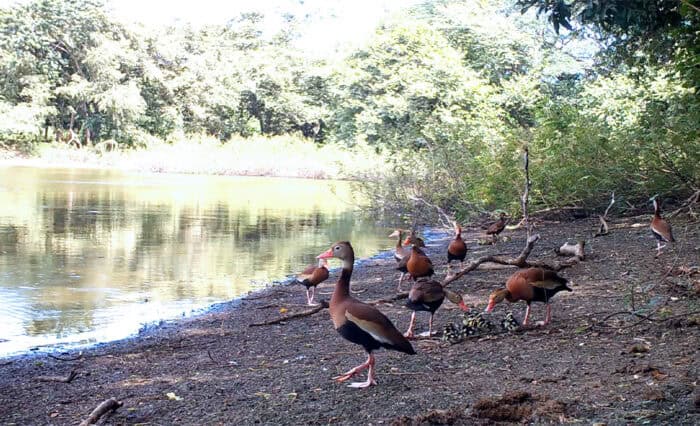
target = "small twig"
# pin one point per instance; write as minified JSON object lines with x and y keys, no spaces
{"x":212,"y":358}
{"x":445,"y":219}
{"x":646,"y":317}
{"x":394,"y":298}
{"x":75,"y":358}
{"x":105,"y":407}
{"x":73,"y":374}
{"x":322,"y":305}
{"x":603,"y":229}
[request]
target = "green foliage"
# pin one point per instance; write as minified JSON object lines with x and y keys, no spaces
{"x":448,"y":93}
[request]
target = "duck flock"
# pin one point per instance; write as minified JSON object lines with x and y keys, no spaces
{"x":365,"y":325}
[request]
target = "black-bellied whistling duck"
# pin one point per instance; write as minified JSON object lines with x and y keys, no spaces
{"x":530,"y":285}
{"x":428,"y":295}
{"x":312,"y":276}
{"x":417,"y":265}
{"x":358,"y":322}
{"x":660,"y":228}
{"x":457,"y":250}
{"x":401,"y":250}
{"x":497,"y":227}
{"x":407,"y":248}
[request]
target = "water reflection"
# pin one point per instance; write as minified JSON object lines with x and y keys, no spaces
{"x":89,"y":255}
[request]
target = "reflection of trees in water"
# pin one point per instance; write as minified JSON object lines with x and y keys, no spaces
{"x":92,"y":247}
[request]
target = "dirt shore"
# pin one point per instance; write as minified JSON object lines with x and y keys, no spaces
{"x":594,"y":363}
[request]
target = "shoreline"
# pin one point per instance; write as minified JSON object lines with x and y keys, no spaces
{"x":216,"y":369}
{"x":152,"y":326}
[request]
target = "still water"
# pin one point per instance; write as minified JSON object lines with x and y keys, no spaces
{"x":91,"y":255}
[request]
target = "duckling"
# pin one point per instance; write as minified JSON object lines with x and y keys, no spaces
{"x":451,"y":334}
{"x":476,"y":322}
{"x":509,"y":323}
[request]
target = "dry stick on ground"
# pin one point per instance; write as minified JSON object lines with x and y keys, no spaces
{"x":603,"y":229}
{"x":105,"y":407}
{"x":73,"y":374}
{"x":75,"y":358}
{"x":322,"y":305}
{"x":688,"y":204}
{"x":573,"y":249}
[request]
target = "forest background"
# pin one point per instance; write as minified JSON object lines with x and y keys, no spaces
{"x":434,"y":109}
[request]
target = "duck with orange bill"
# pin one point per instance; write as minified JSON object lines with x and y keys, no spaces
{"x":311,"y":277}
{"x":359,"y":322}
{"x":530,"y":285}
{"x":428,"y":295}
{"x":660,"y":228}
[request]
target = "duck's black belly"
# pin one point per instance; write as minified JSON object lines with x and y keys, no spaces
{"x":350,"y":331}
{"x":424,"y":306}
{"x":460,"y":257}
{"x":545,"y":295}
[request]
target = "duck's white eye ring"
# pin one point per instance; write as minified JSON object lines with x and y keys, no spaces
{"x":336,"y":248}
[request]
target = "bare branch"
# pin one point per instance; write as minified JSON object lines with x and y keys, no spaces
{"x":446,"y":220}
{"x":322,"y":305}
{"x":520,"y":261}
{"x":524,"y":200}
{"x":69,"y":378}
{"x":105,"y":407}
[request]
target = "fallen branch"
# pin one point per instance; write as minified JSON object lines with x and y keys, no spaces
{"x":105,"y":407}
{"x":520,"y":262}
{"x":603,"y":228}
{"x":73,"y":374}
{"x":75,"y":358}
{"x":394,"y":298}
{"x":688,"y":204}
{"x":576,"y":250}
{"x":322,"y":305}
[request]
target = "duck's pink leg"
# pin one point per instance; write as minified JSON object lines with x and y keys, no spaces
{"x":409,"y":332}
{"x":527,"y":315}
{"x":370,"y":375}
{"x":345,"y":376}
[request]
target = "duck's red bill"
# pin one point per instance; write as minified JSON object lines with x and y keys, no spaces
{"x":326,"y":254}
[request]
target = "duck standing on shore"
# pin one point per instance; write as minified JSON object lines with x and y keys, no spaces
{"x":359,"y":322}
{"x":660,"y":228}
{"x":497,"y":227}
{"x":402,"y":252}
{"x":312,"y":276}
{"x":428,"y":295}
{"x":457,"y":249}
{"x":530,"y":285}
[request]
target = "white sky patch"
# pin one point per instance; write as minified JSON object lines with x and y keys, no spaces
{"x":324,"y":24}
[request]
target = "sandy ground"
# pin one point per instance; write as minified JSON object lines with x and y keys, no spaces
{"x":595,"y":363}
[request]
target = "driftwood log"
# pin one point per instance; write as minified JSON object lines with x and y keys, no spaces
{"x":569,"y":249}
{"x":105,"y":407}
{"x":67,"y":379}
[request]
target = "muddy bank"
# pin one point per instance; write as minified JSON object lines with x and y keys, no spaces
{"x":594,"y":363}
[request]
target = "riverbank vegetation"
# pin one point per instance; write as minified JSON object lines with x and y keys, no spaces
{"x":437,"y":105}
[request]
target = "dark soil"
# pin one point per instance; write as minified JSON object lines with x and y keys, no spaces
{"x":594,"y":363}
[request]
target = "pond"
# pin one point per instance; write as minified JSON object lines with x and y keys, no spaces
{"x":91,"y":255}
